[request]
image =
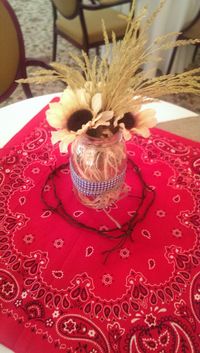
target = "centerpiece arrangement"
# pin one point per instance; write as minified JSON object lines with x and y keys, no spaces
{"x":103,"y":106}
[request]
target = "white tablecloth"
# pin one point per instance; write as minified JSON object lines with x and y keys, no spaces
{"x":174,"y":16}
{"x":4,"y":349}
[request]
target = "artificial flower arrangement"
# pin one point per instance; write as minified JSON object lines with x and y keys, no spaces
{"x":103,"y":99}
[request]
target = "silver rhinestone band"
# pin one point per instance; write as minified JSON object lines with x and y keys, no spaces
{"x":91,"y":188}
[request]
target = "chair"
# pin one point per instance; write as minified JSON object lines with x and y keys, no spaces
{"x":81,"y":24}
{"x":190,"y":32}
{"x":13,"y":62}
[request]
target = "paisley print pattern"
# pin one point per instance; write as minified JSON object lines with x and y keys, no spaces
{"x":169,"y":335}
{"x":53,"y":279}
{"x":75,"y":327}
{"x":195,"y":296}
{"x":8,"y":286}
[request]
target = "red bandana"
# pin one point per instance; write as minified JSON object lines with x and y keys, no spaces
{"x":57,"y":294}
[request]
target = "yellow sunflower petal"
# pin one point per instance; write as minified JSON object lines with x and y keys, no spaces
{"x":103,"y":117}
{"x":68,"y":99}
{"x":83,"y":98}
{"x":147,"y":118}
{"x":55,"y":115}
{"x":107,"y":115}
{"x":72,"y":100}
{"x":63,"y":145}
{"x":143,"y":131}
{"x":101,"y":123}
{"x":59,"y":135}
{"x":126,"y":133}
{"x":97,"y":103}
{"x":64,"y":137}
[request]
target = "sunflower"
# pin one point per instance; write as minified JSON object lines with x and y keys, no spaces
{"x":137,"y":123}
{"x":75,"y":114}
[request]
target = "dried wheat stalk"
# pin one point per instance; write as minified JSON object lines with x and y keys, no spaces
{"x":117,"y":75}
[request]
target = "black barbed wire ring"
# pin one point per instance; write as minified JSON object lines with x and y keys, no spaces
{"x":126,"y":230}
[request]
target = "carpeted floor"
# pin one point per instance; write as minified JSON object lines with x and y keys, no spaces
{"x":36,"y":22}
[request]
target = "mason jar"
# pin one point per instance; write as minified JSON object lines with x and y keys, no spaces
{"x":98,"y":168}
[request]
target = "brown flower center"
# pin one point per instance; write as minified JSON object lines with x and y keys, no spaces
{"x":79,"y":118}
{"x":129,"y":120}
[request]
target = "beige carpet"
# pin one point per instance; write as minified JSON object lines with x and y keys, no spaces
{"x":36,"y":22}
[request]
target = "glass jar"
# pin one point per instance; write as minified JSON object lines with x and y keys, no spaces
{"x":98,"y":168}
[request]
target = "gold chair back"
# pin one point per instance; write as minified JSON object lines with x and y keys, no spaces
{"x":9,"y":48}
{"x":66,"y":8}
{"x":193,"y":32}
{"x":80,"y":22}
{"x":13,"y":62}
